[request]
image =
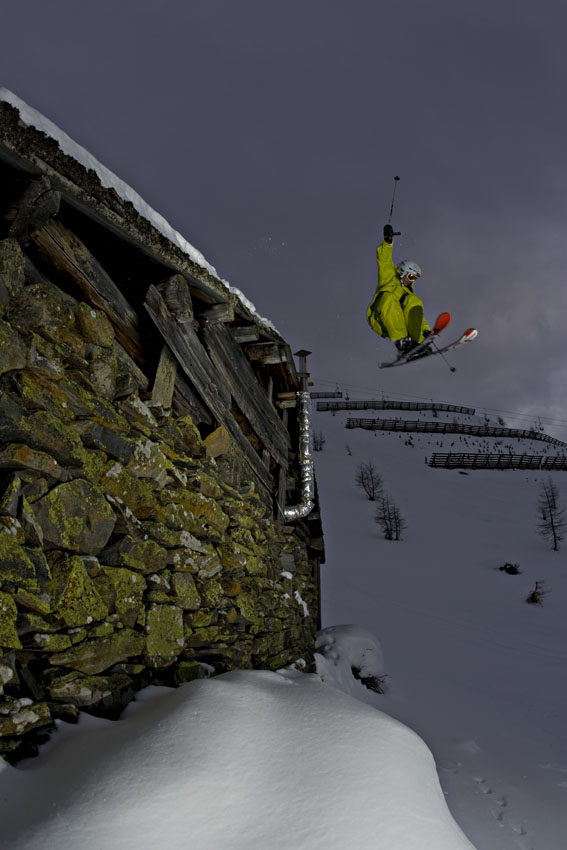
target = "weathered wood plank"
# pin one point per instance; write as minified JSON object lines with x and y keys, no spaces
{"x":164,"y":383}
{"x":194,"y":360}
{"x":186,"y":400}
{"x":219,"y":313}
{"x":36,"y":205}
{"x":267,"y":352}
{"x":177,"y":297}
{"x":65,"y":251}
{"x":248,"y":394}
{"x":245,"y":333}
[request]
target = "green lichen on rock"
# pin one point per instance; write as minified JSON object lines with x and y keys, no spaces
{"x":76,"y":601}
{"x":48,"y":432}
{"x":50,"y":642}
{"x":19,"y":456}
{"x":127,"y":590}
{"x":25,"y":718}
{"x":234,"y":556}
{"x":8,"y":615}
{"x":86,"y":691}
{"x":13,"y":353}
{"x":76,"y":517}
{"x":16,"y":566}
{"x":95,"y":656}
{"x":144,"y":556}
{"x":136,"y":493}
{"x":212,"y":593}
{"x":148,"y":461}
{"x":94,"y":325}
{"x":200,"y":619}
{"x":249,"y":608}
{"x":190,"y":436}
{"x":164,"y":635}
{"x":186,"y":671}
{"x":198,"y":505}
{"x":186,"y":593}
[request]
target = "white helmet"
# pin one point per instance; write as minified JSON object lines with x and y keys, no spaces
{"x":409,"y":267}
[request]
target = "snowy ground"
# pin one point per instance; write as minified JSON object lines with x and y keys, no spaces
{"x":479,"y":674}
{"x":295,"y":762}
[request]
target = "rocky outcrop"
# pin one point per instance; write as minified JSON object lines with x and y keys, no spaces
{"x":126,"y":556}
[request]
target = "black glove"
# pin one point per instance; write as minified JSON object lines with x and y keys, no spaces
{"x":388,"y":233}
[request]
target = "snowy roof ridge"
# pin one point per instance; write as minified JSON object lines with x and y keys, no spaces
{"x":33,"y":118}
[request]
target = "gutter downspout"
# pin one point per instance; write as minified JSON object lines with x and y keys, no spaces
{"x":307,"y":504}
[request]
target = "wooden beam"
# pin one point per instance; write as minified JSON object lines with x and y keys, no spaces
{"x":245,"y":333}
{"x":267,"y":353}
{"x":248,"y":394}
{"x":211,"y":386}
{"x":222,"y":312}
{"x":164,"y":383}
{"x":175,"y":292}
{"x":36,"y":205}
{"x":59,"y":247}
{"x":187,"y":400}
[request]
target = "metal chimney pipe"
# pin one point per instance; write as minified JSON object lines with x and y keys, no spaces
{"x":306,"y":504}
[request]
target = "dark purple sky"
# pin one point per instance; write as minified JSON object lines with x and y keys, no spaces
{"x":268,"y":132}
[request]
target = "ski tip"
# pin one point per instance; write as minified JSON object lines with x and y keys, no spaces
{"x":441,"y":321}
{"x":471,"y":333}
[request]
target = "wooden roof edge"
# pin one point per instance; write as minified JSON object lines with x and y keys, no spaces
{"x":33,"y":152}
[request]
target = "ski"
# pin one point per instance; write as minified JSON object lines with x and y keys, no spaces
{"x":422,"y":350}
{"x":440,"y":324}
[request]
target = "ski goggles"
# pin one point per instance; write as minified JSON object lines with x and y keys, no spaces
{"x":411,"y":276}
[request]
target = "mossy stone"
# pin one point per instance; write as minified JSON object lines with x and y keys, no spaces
{"x":165,"y":638}
{"x":85,"y":691}
{"x":8,"y":615}
{"x":95,"y":656}
{"x":148,"y":461}
{"x":186,"y":671}
{"x":144,"y":556}
{"x":136,"y":493}
{"x":16,"y":566}
{"x":213,"y":593}
{"x":200,"y":619}
{"x":52,"y":642}
{"x":25,"y":719}
{"x":128,"y":589}
{"x":49,"y":432}
{"x":186,"y":593}
{"x":75,"y":516}
{"x":13,"y":353}
{"x":94,"y":325}
{"x":76,"y":601}
{"x":233,"y":556}
{"x":190,"y":436}
{"x":19,"y":456}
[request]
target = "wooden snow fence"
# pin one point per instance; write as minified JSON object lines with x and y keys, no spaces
{"x":416,"y":425}
{"x":465,"y":460}
{"x":373,"y":404}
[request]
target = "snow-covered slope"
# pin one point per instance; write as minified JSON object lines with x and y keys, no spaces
{"x":477,"y":672}
{"x":283,"y":760}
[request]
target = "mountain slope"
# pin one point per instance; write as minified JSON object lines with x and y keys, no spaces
{"x":479,"y":674}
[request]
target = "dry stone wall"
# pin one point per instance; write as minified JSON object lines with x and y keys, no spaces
{"x":126,"y":557}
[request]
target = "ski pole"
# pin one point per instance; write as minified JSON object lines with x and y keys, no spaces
{"x":396,"y":180}
{"x":452,"y":368}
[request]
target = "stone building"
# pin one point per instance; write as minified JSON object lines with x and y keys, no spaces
{"x":158,"y":513}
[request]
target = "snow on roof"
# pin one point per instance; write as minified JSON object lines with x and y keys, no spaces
{"x":109,"y":180}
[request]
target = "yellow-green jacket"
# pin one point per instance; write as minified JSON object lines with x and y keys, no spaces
{"x":396,"y":311}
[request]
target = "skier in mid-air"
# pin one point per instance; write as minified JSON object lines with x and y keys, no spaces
{"x":396,"y":312}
